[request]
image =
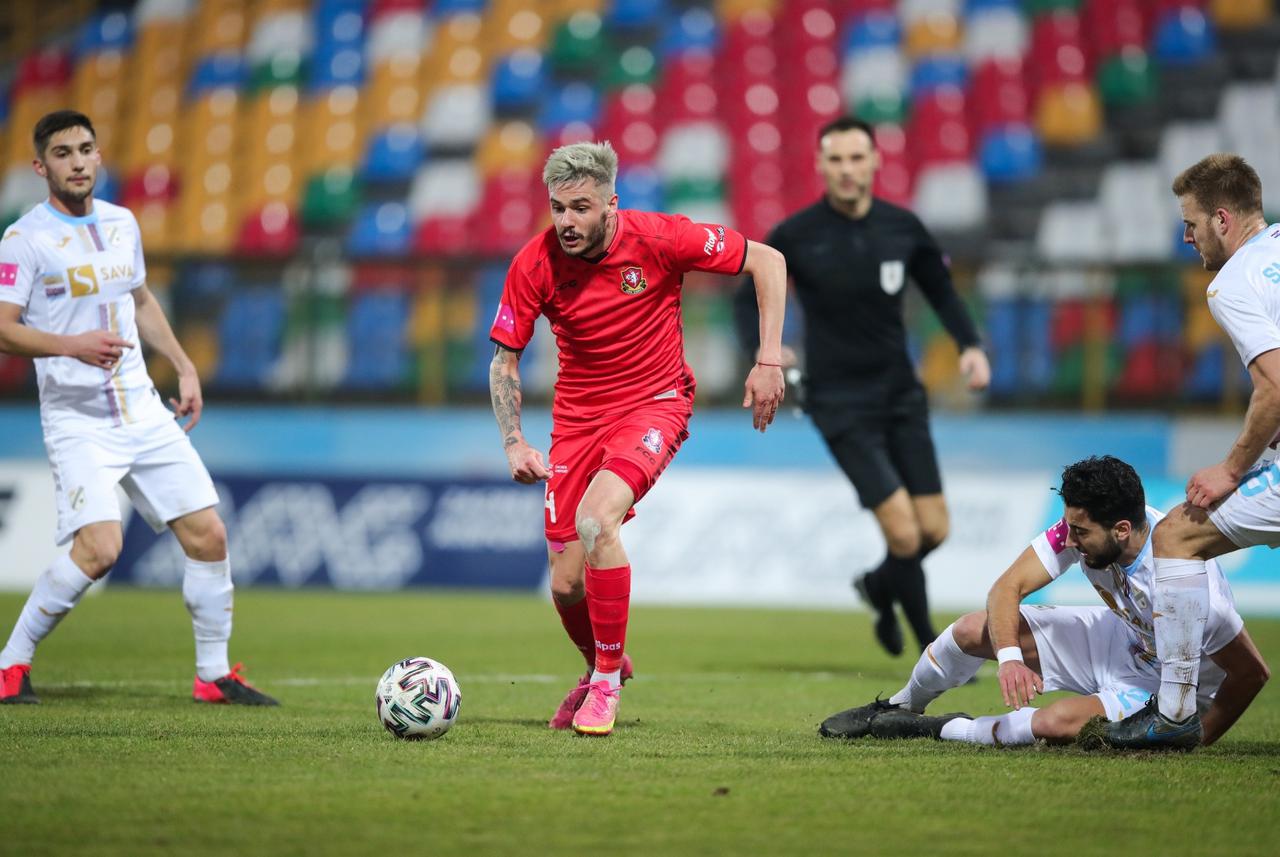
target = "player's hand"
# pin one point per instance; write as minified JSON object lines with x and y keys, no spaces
{"x":765,"y":389}
{"x":526,"y":464}
{"x":1211,"y":484}
{"x":975,"y":366}
{"x":100,"y":348}
{"x":1019,"y":684}
{"x":190,"y":402}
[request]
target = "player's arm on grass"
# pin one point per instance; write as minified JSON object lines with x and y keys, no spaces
{"x":507,"y":397}
{"x":1019,"y":684}
{"x":765,"y":387}
{"x":100,"y":348}
{"x":1261,"y":424}
{"x":155,"y":331}
{"x":1246,"y":674}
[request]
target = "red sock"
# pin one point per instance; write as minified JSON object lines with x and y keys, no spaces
{"x":577,"y":623}
{"x":608,"y":599}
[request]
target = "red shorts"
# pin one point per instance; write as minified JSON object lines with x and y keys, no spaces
{"x":635,"y":447}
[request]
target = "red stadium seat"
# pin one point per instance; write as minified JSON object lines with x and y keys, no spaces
{"x":445,"y":236}
{"x":270,"y":231}
{"x":998,"y":94}
{"x":939,"y":129}
{"x":1110,"y":26}
{"x":1057,"y":43}
{"x":895,"y":181}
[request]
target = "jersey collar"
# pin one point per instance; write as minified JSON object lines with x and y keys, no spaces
{"x":91,"y":217}
{"x":1142,"y":554}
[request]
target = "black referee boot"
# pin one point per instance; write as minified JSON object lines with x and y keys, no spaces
{"x":870,"y":588}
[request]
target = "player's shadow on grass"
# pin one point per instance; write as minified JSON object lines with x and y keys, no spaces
{"x":509,"y":721}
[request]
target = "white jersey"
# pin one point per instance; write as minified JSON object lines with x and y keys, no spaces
{"x":71,"y":275}
{"x":1127,"y":590}
{"x":1245,"y":295}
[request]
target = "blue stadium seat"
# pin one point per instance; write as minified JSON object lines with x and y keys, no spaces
{"x":379,"y":358}
{"x":393,"y":155}
{"x":1002,"y":324}
{"x":694,"y":29}
{"x":1010,"y":153}
{"x":972,"y":7}
{"x":249,"y":336}
{"x":336,"y":64}
{"x":639,"y":188}
{"x":518,"y":80}
{"x":1204,"y":381}
{"x":875,"y":29}
{"x":1139,"y":321}
{"x":572,"y":102}
{"x":380,"y":229}
{"x":1038,"y":360}
{"x":933,"y":73}
{"x":1183,"y":36}
{"x":489,"y":283}
{"x":339,"y":26}
{"x":107,"y":187}
{"x":104,"y":31}
{"x":635,"y":13}
{"x":215,"y":72}
{"x":202,"y":287}
{"x":441,"y":8}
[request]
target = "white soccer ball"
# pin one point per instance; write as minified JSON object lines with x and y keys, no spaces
{"x":418,"y":698}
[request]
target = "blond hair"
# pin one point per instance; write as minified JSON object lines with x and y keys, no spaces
{"x":1221,"y":181}
{"x":577,"y":161}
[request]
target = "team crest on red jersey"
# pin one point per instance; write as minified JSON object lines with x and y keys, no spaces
{"x":633,"y":281}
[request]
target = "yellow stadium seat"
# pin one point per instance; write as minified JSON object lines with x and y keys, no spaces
{"x":156,"y":220}
{"x":936,"y":33}
{"x":331,"y":130}
{"x":458,"y":53}
{"x":729,"y":11}
{"x":267,"y":170}
{"x":527,"y":27}
{"x":24,"y":113}
{"x":1069,"y":114}
{"x":509,"y":145}
{"x":393,"y":95}
{"x":158,"y":56}
{"x":1240,"y":14}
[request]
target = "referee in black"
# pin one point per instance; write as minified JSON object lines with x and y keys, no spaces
{"x":849,"y":256}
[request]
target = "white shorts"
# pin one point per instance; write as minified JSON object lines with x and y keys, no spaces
{"x":1090,"y":651}
{"x":1250,"y":515}
{"x":153,"y":461}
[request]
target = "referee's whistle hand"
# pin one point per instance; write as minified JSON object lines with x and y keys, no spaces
{"x":975,"y":367}
{"x":764,"y":392}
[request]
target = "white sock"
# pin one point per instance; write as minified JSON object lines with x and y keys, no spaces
{"x":207,"y":591}
{"x":1007,"y":730}
{"x":56,"y":591}
{"x":614,"y":678}
{"x":942,"y":666}
{"x":1181,"y":607}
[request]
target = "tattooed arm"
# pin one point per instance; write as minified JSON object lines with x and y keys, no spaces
{"x":504,"y":390}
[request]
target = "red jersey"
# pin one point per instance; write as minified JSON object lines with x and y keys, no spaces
{"x":617,"y":319}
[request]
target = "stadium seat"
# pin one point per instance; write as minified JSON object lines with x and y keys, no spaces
{"x":518,"y":81}
{"x":1240,"y":14}
{"x":1128,"y":78}
{"x":999,"y":94}
{"x":1010,"y":153}
{"x":1069,"y":114}
{"x":995,"y":31}
{"x":624,"y":14}
{"x":875,"y":29}
{"x":215,"y":72}
{"x":447,"y":187}
{"x":378,"y":358}
{"x":939,"y":131}
{"x":331,"y":198}
{"x":572,"y":103}
{"x":379,"y":229}
{"x":933,"y":34}
{"x":933,"y":73}
{"x":456,"y":117}
{"x":1113,"y":27}
{"x":1135,"y":209}
{"x":694,"y":29}
{"x":1071,"y":232}
{"x":578,"y":45}
{"x":271,"y":231}
{"x":511,"y":144}
{"x":250,"y":334}
{"x":393,"y":155}
{"x":1184,"y":143}
{"x":640,"y":187}
{"x":631,"y":65}
{"x":218,"y":27}
{"x":105,"y":31}
{"x":1183,"y":36}
{"x":951,"y":197}
{"x":695,"y":150}
{"x":874,"y":85}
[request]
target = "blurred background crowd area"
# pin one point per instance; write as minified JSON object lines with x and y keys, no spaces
{"x":330,"y":191}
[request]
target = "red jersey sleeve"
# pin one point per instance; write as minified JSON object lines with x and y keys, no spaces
{"x":708,"y":247}
{"x":521,"y":304}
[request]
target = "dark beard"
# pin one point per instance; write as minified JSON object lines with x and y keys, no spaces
{"x":1105,"y":560}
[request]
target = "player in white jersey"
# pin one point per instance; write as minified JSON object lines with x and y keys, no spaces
{"x":73,"y":295}
{"x":1235,"y":503}
{"x":1105,"y":654}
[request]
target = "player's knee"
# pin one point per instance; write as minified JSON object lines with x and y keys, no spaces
{"x":903,"y":539}
{"x":208,"y":543}
{"x":934,"y":533}
{"x":567,"y":591}
{"x":595,"y":529}
{"x":96,"y":552}
{"x":969,"y":630}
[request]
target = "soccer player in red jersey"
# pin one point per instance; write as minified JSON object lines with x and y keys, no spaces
{"x":608,"y":280}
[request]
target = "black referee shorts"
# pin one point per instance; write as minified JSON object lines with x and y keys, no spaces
{"x":884,"y":448}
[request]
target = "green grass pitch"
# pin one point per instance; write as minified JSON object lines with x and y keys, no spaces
{"x":715,"y":753}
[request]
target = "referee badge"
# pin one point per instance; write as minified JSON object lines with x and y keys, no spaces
{"x":892,"y":276}
{"x":633,"y":282}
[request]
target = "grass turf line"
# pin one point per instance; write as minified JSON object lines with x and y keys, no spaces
{"x":715,"y":752}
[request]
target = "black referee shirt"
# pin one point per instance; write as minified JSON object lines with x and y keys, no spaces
{"x":849,"y":277}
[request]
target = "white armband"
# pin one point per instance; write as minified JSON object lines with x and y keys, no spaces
{"x":1009,"y":653}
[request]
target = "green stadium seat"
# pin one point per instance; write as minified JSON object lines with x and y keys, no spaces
{"x":330,"y":198}
{"x":1127,"y":79}
{"x":578,"y":45}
